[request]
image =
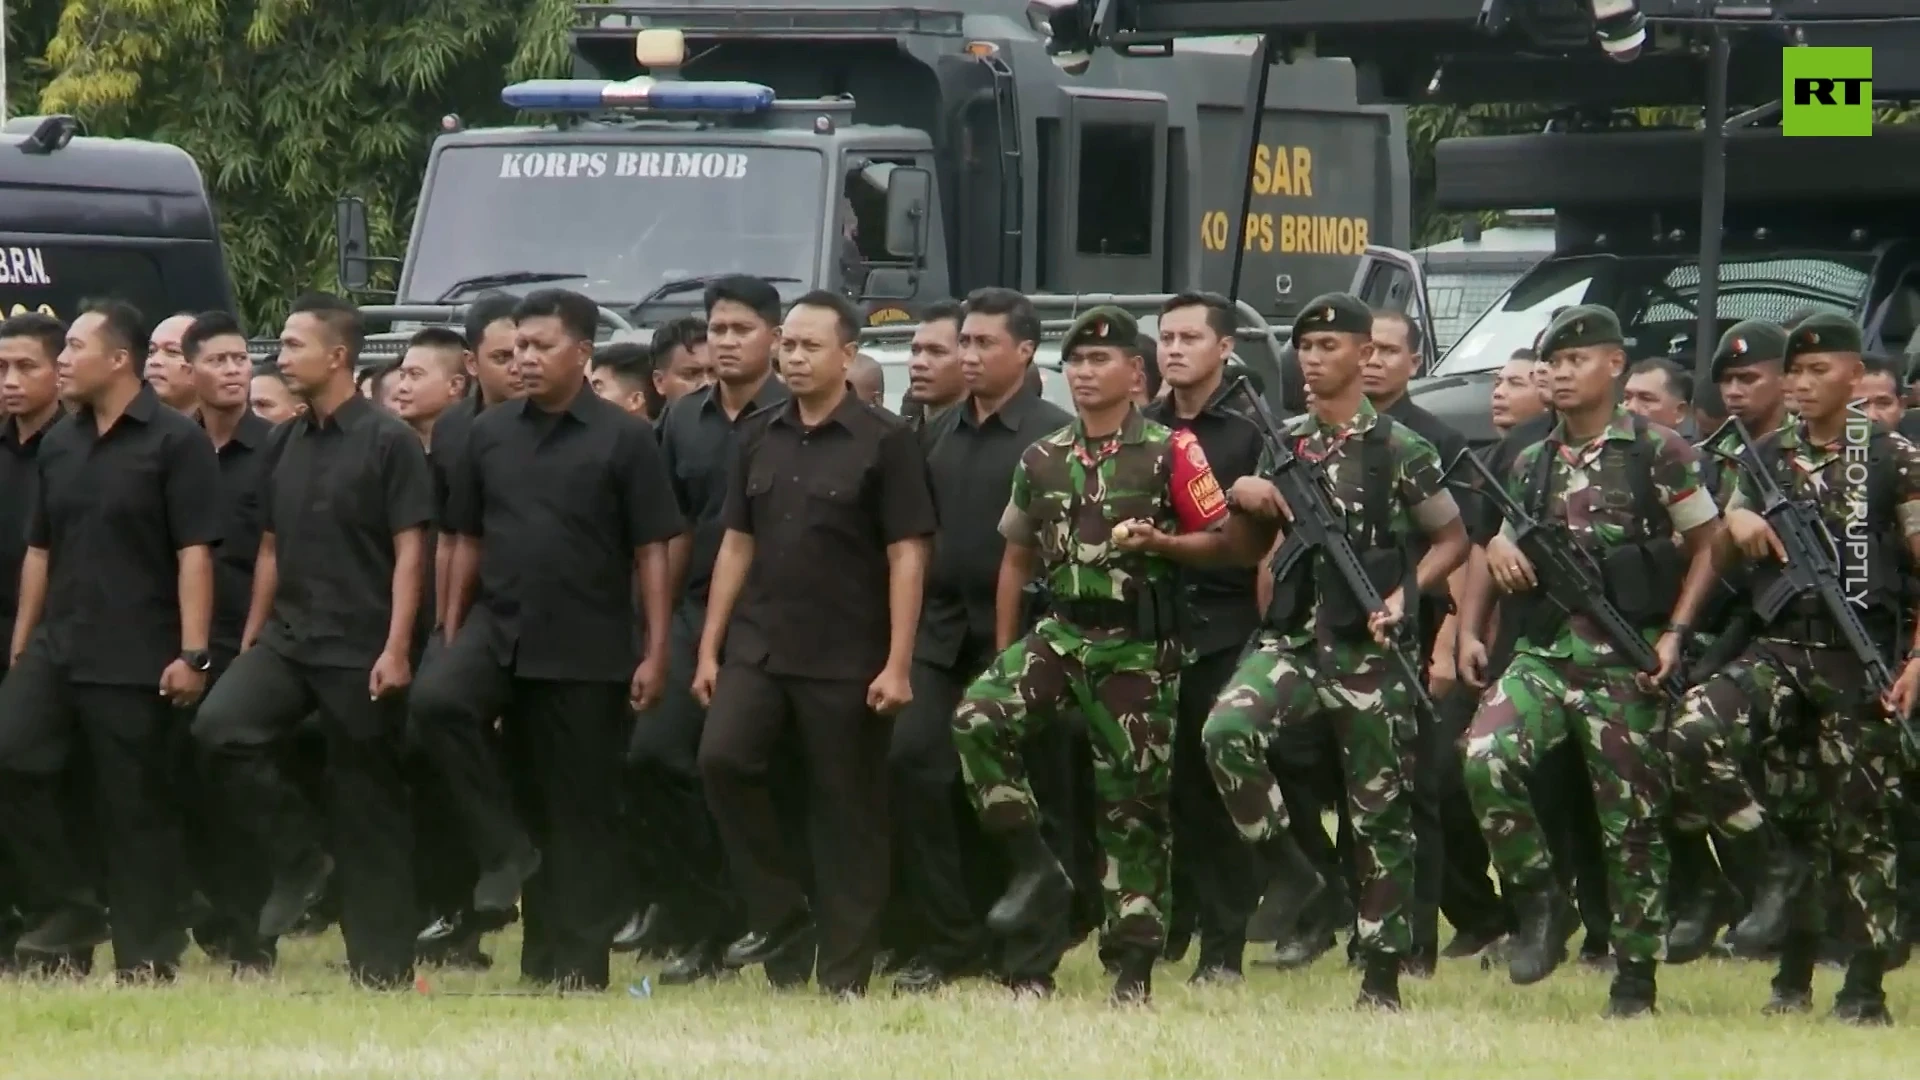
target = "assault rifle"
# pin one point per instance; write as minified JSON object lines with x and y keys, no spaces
{"x":1317,"y":527}
{"x":1812,"y":566}
{"x":1567,"y":573}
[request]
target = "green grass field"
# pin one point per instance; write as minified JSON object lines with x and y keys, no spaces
{"x":305,"y":1022}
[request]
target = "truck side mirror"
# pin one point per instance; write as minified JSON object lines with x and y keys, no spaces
{"x":355,"y":268}
{"x":888,"y":283}
{"x":909,"y":191}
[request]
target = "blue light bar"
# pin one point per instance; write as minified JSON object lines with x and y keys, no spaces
{"x":637,"y":95}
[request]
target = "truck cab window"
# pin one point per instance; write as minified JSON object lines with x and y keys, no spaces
{"x":1116,"y":190}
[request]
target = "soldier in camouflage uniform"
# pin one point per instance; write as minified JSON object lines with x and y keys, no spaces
{"x":1800,"y":669}
{"x":1317,"y":658}
{"x":1622,"y":487}
{"x":1748,"y":367}
{"x":1104,"y":507}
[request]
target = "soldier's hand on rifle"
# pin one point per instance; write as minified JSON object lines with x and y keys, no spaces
{"x":1137,"y":535}
{"x":1510,"y":569}
{"x":1753,"y":536}
{"x":1382,"y":623}
{"x":1257,"y":496}
{"x":1470,"y":657}
{"x":1900,"y":697}
{"x":1667,"y":651}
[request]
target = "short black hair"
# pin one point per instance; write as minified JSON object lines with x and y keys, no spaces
{"x":341,"y":317}
{"x":373,"y":374}
{"x":1881,"y":364}
{"x":125,"y":324}
{"x":755,"y":294}
{"x":44,"y":328}
{"x":1525,"y":354}
{"x":578,"y":315}
{"x":943,"y":310}
{"x":1023,"y":322}
{"x":1149,"y":353}
{"x":206,"y":326}
{"x":1221,"y":317}
{"x":270,"y":367}
{"x":487,"y":309}
{"x":845,"y":314}
{"x":438,"y":337}
{"x":1416,"y":340}
{"x":687,"y":332}
{"x":1679,"y":380}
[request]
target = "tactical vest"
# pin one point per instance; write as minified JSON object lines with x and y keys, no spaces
{"x":1642,"y":576}
{"x":1886,"y":580}
{"x":1297,"y":580}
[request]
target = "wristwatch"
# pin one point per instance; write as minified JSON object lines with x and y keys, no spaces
{"x":199,"y":660}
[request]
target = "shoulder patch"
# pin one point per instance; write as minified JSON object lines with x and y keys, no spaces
{"x":1188,"y":447}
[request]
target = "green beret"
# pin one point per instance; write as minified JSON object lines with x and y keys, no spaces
{"x":1752,"y":341}
{"x":1580,"y":326}
{"x":1103,"y":325}
{"x":1823,"y":333}
{"x":1340,"y":312}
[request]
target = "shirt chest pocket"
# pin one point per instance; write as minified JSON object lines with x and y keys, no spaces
{"x":833,"y":503}
{"x":132,"y":489}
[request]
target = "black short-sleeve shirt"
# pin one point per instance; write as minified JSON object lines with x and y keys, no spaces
{"x":243,"y":470}
{"x":19,"y":469}
{"x":1222,"y":607}
{"x":445,"y":445}
{"x":113,"y":511}
{"x":823,"y":504}
{"x":560,"y":502}
{"x":699,"y":443}
{"x":337,"y":492}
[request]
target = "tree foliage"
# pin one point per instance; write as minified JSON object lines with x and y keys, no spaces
{"x":287,"y":104}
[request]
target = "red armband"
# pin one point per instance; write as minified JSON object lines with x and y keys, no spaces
{"x":1197,"y":500}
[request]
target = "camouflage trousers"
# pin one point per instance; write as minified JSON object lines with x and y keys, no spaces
{"x":1373,"y":722}
{"x":1785,"y":733}
{"x":1126,"y":691}
{"x":1538,"y":703}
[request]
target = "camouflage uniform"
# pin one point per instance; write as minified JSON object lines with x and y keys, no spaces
{"x":1576,"y":686}
{"x":1832,"y":756}
{"x":1066,"y":498}
{"x":1294,"y":674}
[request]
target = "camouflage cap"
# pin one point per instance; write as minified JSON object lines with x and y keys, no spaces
{"x":1341,"y":313}
{"x":1752,"y":341}
{"x":1578,"y":327}
{"x":1103,"y":325}
{"x":1823,"y":333}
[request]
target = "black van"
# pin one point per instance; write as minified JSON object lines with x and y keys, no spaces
{"x":82,"y":218}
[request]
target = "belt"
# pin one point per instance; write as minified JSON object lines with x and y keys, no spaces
{"x":1097,"y":614}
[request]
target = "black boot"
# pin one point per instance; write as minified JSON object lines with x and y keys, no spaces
{"x":1632,"y":992}
{"x":1221,"y":957}
{"x":1783,"y":873}
{"x":1312,"y":936}
{"x":1793,"y":982}
{"x":1861,"y":999}
{"x":295,"y":891}
{"x":1695,"y":898}
{"x":1133,"y":981}
{"x":1380,"y":987}
{"x":1539,"y":944}
{"x":1037,"y":887}
{"x":1293,"y":882}
{"x":74,"y":925}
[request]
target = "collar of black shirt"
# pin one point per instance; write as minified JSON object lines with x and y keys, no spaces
{"x":140,"y":410}
{"x":1161,"y":411}
{"x":843,"y":414}
{"x":580,"y":408}
{"x":772,"y":392}
{"x":250,"y":432}
{"x":1010,"y":415}
{"x":10,"y":433}
{"x":350,"y":412}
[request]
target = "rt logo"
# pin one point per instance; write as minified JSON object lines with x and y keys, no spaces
{"x":1827,"y":91}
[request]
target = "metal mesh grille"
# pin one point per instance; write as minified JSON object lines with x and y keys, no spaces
{"x":1771,"y":289}
{"x":1457,"y":299}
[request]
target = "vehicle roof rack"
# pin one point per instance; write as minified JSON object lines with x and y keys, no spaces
{"x":616,"y":21}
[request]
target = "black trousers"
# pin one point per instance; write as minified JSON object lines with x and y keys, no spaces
{"x":844,"y":748}
{"x":944,"y":921}
{"x":565,"y":742}
{"x":679,"y":845}
{"x":1213,"y":870}
{"x":73,"y":797}
{"x":246,"y":720}
{"x":127,"y":734}
{"x":1467,"y":896}
{"x":444,"y":867}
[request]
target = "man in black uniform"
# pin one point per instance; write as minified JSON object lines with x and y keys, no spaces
{"x":30,"y":402}
{"x":698,"y":442}
{"x":562,"y":506}
{"x":1214,"y":874}
{"x":973,"y":446}
{"x":116,"y":596}
{"x":336,"y":605}
{"x":228,"y":867}
{"x":823,"y":482}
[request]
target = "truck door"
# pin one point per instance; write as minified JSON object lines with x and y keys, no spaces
{"x":1112,"y":203}
{"x":886,"y":283}
{"x":1389,"y":279}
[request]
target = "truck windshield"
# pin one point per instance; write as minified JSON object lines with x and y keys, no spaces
{"x":628,"y":218}
{"x":1656,"y":296}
